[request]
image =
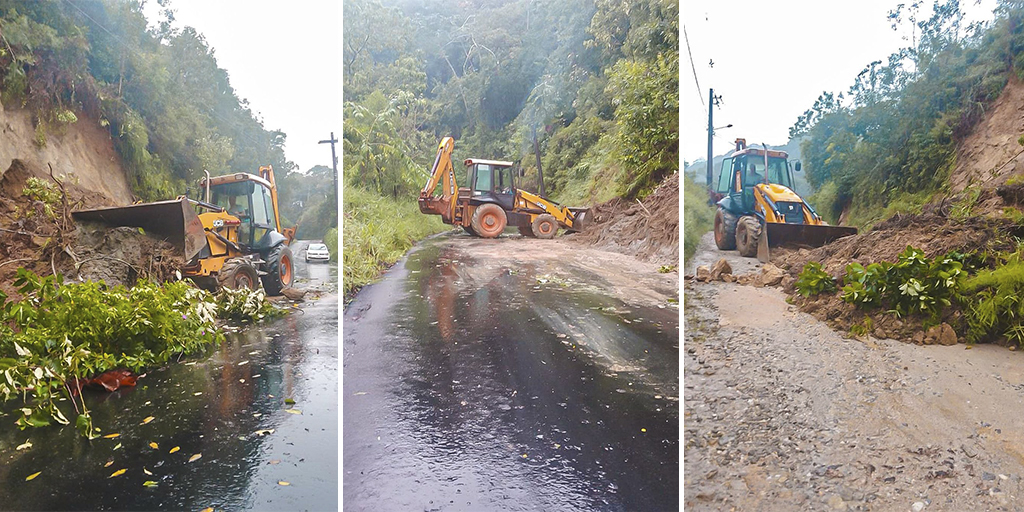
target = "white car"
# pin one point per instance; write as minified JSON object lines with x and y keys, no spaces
{"x":317,"y":252}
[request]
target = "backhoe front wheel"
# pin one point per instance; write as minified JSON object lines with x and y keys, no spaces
{"x":280,"y":271}
{"x":725,"y":230}
{"x":748,"y":231}
{"x":238,"y":273}
{"x":545,"y":226}
{"x":489,"y":220}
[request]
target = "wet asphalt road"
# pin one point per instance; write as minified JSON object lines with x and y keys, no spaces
{"x":505,"y":391}
{"x":222,"y":405}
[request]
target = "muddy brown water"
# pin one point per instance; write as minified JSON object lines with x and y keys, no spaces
{"x":214,"y":404}
{"x":477,"y":380}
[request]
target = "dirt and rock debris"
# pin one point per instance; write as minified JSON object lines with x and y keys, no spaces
{"x":42,"y":238}
{"x":647,"y":229}
{"x":783,"y":413}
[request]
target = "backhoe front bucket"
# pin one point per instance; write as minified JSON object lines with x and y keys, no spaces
{"x":799,"y":235}
{"x":173,"y":221}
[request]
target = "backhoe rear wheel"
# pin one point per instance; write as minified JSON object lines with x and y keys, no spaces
{"x":280,"y":271}
{"x":748,"y":231}
{"x":238,"y":273}
{"x":545,"y":226}
{"x":489,"y":220}
{"x":725,"y":230}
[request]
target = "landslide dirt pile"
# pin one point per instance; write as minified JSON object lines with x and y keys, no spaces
{"x":982,"y":214}
{"x":120,"y":256}
{"x":648,"y":230}
{"x":81,"y":169}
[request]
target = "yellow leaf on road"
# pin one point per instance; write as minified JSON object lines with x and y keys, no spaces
{"x":27,"y":445}
{"x":108,"y":464}
{"x":110,"y":436}
{"x":117,"y":473}
{"x":207,"y":509}
{"x":293,"y":411}
{"x":147,"y":420}
{"x":282,"y":482}
{"x":154,"y":445}
{"x":176,"y":448}
{"x":149,"y":483}
{"x":33,"y":475}
{"x":146,"y":471}
{"x":195,"y":457}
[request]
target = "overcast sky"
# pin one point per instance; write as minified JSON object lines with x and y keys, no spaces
{"x":773,"y":59}
{"x":284,"y":57}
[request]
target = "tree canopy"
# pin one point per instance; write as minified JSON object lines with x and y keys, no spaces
{"x":169,"y":107}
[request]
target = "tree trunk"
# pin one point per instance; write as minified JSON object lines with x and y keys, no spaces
{"x":540,"y":171}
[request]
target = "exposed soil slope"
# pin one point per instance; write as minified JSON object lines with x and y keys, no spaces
{"x":648,"y":230}
{"x":990,"y":154}
{"x":88,"y":168}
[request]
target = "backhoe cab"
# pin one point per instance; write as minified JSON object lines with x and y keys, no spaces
{"x":492,"y":201}
{"x":234,"y":243}
{"x":758,"y":209}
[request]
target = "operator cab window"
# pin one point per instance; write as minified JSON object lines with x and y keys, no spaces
{"x":725,"y":176}
{"x":483,"y":178}
{"x":504,"y":184}
{"x":778,"y":172}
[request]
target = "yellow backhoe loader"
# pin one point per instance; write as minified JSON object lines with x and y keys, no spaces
{"x":758,"y":209}
{"x":234,"y":243}
{"x":492,"y":201}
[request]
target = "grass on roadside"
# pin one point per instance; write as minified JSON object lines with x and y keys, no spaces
{"x":698,"y":216}
{"x":377,"y":232}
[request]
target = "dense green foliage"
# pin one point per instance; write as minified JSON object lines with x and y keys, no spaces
{"x":889,"y":142}
{"x":914,"y":284}
{"x":309,"y":200}
{"x":813,"y":280}
{"x":62,"y":331}
{"x":698,"y":216}
{"x":170,"y":109}
{"x":331,"y":241}
{"x":378,"y":231}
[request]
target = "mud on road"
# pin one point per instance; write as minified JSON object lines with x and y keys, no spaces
{"x":783,"y":413}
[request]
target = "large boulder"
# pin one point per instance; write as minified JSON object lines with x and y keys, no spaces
{"x":719,"y":268}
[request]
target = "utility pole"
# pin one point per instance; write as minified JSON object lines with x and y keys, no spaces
{"x":711,"y":132}
{"x":713,"y":101}
{"x":334,"y":161}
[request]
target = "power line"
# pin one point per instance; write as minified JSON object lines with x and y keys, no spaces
{"x":694,"y":68}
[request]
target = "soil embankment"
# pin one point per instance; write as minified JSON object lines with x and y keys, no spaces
{"x":81,"y":164}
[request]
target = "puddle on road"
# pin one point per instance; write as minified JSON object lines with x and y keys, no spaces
{"x":221,"y":405}
{"x":569,"y":398}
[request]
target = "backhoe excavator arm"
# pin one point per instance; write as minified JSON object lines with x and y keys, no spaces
{"x":442,"y":173}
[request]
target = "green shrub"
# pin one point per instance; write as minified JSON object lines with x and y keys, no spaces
{"x":331,"y":241}
{"x":62,"y":331}
{"x":914,"y":284}
{"x":45,"y":192}
{"x":813,"y":280}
